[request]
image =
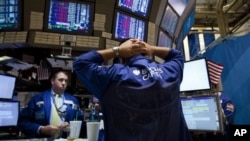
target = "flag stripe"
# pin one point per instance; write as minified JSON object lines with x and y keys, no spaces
{"x":42,"y":73}
{"x":214,"y":70}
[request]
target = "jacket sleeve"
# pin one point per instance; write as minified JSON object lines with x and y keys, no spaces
{"x":26,"y":118}
{"x":91,"y":73}
{"x":174,"y":63}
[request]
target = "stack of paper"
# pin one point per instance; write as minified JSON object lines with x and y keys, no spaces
{"x":36,"y":20}
{"x":99,"y":23}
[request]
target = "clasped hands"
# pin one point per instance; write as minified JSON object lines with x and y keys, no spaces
{"x":134,"y":47}
{"x":51,"y":130}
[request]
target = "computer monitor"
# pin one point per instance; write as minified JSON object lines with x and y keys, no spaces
{"x":69,"y":17}
{"x":138,"y":7}
{"x":7,"y":86}
{"x":9,"y":111}
{"x":169,"y":20}
{"x":164,"y":40}
{"x":202,"y":113}
{"x":195,"y":76}
{"x":179,"y":5}
{"x":11,"y":15}
{"x":126,"y":25}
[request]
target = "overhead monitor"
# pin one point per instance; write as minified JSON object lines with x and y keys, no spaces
{"x":69,"y":16}
{"x":10,"y":15}
{"x":7,"y":86}
{"x":169,"y":20}
{"x":179,"y":5}
{"x":9,"y":113}
{"x":138,"y":7}
{"x":195,"y":76}
{"x":128,"y":26}
{"x":202,"y":113}
{"x":164,"y":40}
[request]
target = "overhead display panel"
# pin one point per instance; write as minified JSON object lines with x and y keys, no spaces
{"x":69,"y":16}
{"x":179,"y":5}
{"x":10,"y":15}
{"x":129,"y":26}
{"x":138,"y":7}
{"x":169,"y":20}
{"x":164,"y":40}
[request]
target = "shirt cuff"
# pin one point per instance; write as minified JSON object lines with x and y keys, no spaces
{"x":38,"y":130}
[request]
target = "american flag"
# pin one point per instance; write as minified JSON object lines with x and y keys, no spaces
{"x":214,"y":70}
{"x":42,"y":73}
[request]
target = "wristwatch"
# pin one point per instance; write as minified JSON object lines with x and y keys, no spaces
{"x":116,"y":51}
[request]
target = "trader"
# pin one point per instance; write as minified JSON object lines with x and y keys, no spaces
{"x":48,"y":113}
{"x":139,"y":98}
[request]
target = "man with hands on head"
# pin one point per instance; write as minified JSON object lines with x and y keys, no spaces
{"x":49,"y":112}
{"x":139,"y":98}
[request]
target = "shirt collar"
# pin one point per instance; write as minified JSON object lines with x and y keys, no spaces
{"x":54,"y":94}
{"x":137,"y":60}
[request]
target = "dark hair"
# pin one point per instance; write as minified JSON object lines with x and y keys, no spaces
{"x":55,"y":72}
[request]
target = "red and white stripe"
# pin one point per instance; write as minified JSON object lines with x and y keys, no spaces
{"x":42,"y":73}
{"x":214,"y":70}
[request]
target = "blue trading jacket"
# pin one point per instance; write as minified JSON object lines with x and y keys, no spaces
{"x":140,"y":100}
{"x":38,"y":112}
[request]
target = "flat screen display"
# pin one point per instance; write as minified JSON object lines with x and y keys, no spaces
{"x":7,"y":85}
{"x":138,"y":7}
{"x":164,"y":40}
{"x":10,"y":15}
{"x":9,"y":113}
{"x":69,"y":16}
{"x":129,"y":26}
{"x":195,"y":76}
{"x":179,"y":5}
{"x":169,"y":20}
{"x":202,"y":113}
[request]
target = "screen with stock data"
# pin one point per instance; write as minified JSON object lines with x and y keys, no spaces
{"x":164,"y":40}
{"x":127,"y":26}
{"x":9,"y":111}
{"x":69,"y":16}
{"x":169,"y":20}
{"x":202,"y":113}
{"x":138,"y":7}
{"x":10,"y":14}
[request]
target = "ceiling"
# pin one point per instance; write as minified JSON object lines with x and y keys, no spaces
{"x":227,"y":15}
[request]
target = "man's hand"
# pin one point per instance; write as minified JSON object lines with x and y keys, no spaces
{"x":134,"y":47}
{"x":64,"y":126}
{"x":50,"y":130}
